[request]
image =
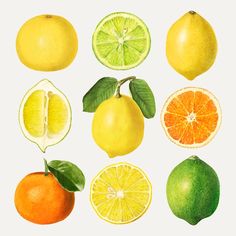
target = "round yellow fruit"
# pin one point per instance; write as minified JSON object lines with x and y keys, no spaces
{"x":118,"y":126}
{"x":47,"y":43}
{"x":191,"y":45}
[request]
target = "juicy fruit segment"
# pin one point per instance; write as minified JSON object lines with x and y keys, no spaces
{"x":47,"y":43}
{"x":57,"y":114}
{"x":40,"y":199}
{"x":191,"y":45}
{"x":193,"y":190}
{"x":191,"y":117}
{"x":34,"y":113}
{"x":118,"y":126}
{"x":121,"y":193}
{"x":121,"y":41}
{"x":45,"y":115}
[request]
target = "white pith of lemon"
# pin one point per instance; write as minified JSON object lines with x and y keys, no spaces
{"x":45,"y":115}
{"x":121,"y":193}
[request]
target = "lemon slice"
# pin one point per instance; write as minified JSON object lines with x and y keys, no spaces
{"x":121,"y":41}
{"x":45,"y":115}
{"x":121,"y":193}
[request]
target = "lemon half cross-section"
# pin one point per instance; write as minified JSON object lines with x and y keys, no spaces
{"x":121,"y":193}
{"x":45,"y":115}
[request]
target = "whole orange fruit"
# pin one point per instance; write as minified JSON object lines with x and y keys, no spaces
{"x":39,"y":198}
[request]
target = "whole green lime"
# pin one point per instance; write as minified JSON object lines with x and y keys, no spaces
{"x":193,"y":190}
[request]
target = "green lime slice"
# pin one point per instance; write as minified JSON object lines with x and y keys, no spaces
{"x":121,"y":41}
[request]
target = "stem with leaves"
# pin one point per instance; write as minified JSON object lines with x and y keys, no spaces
{"x":108,"y":87}
{"x":130,"y":78}
{"x":69,"y":176}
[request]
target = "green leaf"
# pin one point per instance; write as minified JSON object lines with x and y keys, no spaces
{"x":143,"y":96}
{"x":68,"y":175}
{"x":102,"y":90}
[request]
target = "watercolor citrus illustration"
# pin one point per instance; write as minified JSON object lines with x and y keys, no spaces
{"x":47,"y":43}
{"x":191,"y":117}
{"x":48,"y":197}
{"x":191,"y":45}
{"x":121,"y":193}
{"x":193,"y":190}
{"x":118,"y":123}
{"x":121,"y":41}
{"x":45,"y":115}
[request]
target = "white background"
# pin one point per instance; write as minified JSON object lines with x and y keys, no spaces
{"x":157,"y":156}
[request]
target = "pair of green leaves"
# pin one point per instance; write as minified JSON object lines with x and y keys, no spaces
{"x":70,"y":177}
{"x":107,"y":86}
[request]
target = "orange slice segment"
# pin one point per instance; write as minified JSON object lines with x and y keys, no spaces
{"x":191,"y":117}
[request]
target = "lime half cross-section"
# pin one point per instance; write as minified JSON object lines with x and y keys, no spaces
{"x":45,"y":115}
{"x":121,"y":41}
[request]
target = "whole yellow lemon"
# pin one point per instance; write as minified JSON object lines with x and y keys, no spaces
{"x":47,"y":43}
{"x":118,"y":126}
{"x":191,"y":45}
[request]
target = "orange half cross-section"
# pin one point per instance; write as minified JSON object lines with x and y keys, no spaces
{"x":191,"y":117}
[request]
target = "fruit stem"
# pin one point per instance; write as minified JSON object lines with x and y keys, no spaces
{"x":45,"y":167}
{"x":192,"y":12}
{"x":193,"y":158}
{"x":130,"y":78}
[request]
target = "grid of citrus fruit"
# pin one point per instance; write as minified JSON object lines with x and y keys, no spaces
{"x":191,"y":117}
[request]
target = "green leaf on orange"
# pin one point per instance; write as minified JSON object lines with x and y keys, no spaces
{"x":68,"y":175}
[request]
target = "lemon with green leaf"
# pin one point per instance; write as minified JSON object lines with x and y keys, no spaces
{"x":118,"y":122}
